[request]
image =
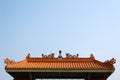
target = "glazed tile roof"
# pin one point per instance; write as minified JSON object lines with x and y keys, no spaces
{"x":40,"y":63}
{"x":33,"y":63}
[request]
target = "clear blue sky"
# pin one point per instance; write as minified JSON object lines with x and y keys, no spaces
{"x":46,"y":26}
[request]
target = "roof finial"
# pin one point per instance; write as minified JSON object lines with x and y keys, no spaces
{"x":77,"y":55}
{"x":60,"y":52}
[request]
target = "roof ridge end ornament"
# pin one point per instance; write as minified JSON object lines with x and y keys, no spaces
{"x":92,"y":56}
{"x":111,"y":61}
{"x":28,"y":56}
{"x":8,"y":61}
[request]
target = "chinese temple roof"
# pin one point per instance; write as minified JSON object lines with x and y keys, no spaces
{"x":70,"y":62}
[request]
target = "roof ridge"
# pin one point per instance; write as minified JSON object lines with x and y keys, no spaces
{"x":59,"y":60}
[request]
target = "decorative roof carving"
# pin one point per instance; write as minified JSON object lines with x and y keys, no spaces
{"x":48,"y":56}
{"x":8,"y":61}
{"x":111,"y":61}
{"x":28,"y":56}
{"x":92,"y":56}
{"x":68,"y":55}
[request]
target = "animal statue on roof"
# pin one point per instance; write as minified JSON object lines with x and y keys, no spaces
{"x":28,"y":56}
{"x":48,"y":56}
{"x":111,"y":61}
{"x":68,"y":55}
{"x":8,"y":61}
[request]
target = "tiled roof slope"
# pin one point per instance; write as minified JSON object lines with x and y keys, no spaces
{"x":60,"y":64}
